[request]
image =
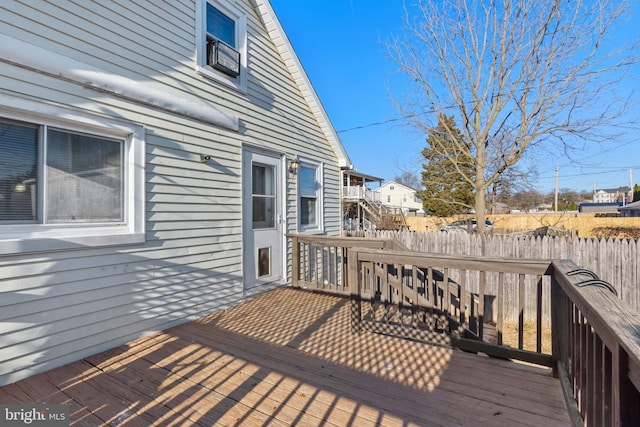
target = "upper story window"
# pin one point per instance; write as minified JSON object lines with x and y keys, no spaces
{"x":68,"y":180}
{"x":310,"y":197}
{"x":222,"y":42}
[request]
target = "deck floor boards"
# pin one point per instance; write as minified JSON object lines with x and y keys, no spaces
{"x":288,"y":357}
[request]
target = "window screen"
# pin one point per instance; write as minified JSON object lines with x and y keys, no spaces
{"x":84,"y":178}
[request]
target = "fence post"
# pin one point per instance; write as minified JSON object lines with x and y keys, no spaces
{"x":354,"y":287}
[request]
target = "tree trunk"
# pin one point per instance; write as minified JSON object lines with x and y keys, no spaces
{"x":481,"y":211}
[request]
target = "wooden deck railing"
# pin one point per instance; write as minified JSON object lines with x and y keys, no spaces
{"x":596,"y":348}
{"x":545,"y":312}
{"x":319,"y":262}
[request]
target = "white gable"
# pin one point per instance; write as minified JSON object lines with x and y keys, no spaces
{"x":279,"y":38}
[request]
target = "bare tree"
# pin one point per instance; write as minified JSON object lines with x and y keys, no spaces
{"x":514,"y":73}
{"x":408,"y":178}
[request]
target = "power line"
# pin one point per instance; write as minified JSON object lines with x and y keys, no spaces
{"x":613,"y":170}
{"x":384,"y":122}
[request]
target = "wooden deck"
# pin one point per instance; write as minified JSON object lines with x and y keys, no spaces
{"x":288,"y":357}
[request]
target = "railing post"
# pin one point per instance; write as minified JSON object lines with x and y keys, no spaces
{"x":354,"y":287}
{"x":558,"y":315}
{"x":295,"y":262}
{"x":625,"y":394}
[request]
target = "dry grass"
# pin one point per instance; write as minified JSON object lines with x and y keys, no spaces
{"x":510,"y":336}
{"x":617,"y":232}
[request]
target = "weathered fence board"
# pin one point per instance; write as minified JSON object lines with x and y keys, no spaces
{"x":614,"y":260}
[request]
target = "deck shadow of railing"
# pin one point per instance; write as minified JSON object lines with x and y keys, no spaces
{"x":587,"y":335}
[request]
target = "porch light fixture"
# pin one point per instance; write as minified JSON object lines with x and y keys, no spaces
{"x":293,"y":167}
{"x":204,"y":158}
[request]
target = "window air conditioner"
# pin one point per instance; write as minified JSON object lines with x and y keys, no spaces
{"x":223,"y":57}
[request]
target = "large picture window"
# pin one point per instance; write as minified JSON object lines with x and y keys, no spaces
{"x":68,"y":183}
{"x":310,"y":197}
{"x":79,"y":181}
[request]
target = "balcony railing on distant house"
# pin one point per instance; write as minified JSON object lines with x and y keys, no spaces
{"x":360,"y":193}
{"x":372,"y":214}
{"x":546,"y":312}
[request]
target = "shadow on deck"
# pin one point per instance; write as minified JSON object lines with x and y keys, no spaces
{"x":288,"y":357}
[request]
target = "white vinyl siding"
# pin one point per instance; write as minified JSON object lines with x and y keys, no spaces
{"x":61,"y":305}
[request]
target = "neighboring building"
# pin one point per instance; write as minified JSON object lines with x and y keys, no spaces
{"x":361,"y":207}
{"x":613,"y":195}
{"x":399,"y":196}
{"x":151,"y":166}
{"x":599,"y":207}
{"x":630,"y":210}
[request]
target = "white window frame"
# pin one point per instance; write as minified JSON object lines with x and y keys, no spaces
{"x":32,"y":237}
{"x":239,"y":82}
{"x":317,"y":228}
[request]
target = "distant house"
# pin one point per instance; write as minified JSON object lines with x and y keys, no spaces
{"x":154,"y":156}
{"x":360,"y":204}
{"x":630,"y":210}
{"x":399,"y":196}
{"x":612,"y":195}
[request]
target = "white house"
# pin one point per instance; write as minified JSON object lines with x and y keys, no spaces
{"x":399,"y":196}
{"x":153,"y":155}
{"x":612,"y":195}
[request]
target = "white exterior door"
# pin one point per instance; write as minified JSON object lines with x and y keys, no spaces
{"x":262,"y":218}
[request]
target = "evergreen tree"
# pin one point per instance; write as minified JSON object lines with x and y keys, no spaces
{"x":446,"y":171}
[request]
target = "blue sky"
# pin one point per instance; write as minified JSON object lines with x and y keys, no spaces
{"x":340,"y":45}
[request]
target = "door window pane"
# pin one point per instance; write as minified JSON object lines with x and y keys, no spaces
{"x":84,"y":178}
{"x":263,"y":195}
{"x":18,"y":171}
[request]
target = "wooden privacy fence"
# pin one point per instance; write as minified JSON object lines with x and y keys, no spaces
{"x":616,"y":261}
{"x":595,"y":349}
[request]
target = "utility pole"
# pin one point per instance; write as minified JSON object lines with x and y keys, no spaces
{"x":631,"y":185}
{"x":555,"y":204}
